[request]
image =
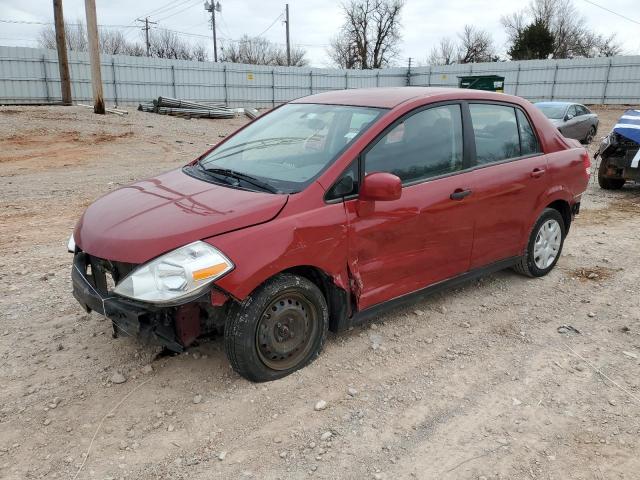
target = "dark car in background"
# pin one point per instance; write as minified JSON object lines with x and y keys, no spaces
{"x":572,"y":119}
{"x":619,"y":153}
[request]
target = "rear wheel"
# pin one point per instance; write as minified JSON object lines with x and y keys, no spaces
{"x":608,"y":183}
{"x":278,"y":329}
{"x":545,"y":245}
{"x":590,"y":135}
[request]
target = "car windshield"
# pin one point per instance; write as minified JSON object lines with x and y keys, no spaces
{"x":554,"y":112}
{"x":288,"y":148}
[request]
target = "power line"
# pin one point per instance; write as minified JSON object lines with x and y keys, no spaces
{"x":167,"y":7}
{"x":179,"y":32}
{"x":179,"y":11}
{"x":612,"y":12}
{"x":66,"y":23}
{"x":269,"y":27}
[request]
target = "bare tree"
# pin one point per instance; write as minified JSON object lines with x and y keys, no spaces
{"x":571,"y":35}
{"x":370,"y":35}
{"x":163,"y":43}
{"x":260,"y":51}
{"x":75,"y":34}
{"x":476,"y":45}
{"x":342,"y":52}
{"x":199,"y":53}
{"x":113,"y":42}
{"x":446,"y":53}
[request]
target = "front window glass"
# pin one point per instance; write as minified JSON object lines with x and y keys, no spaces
{"x":289,"y":147}
{"x":425,"y":145}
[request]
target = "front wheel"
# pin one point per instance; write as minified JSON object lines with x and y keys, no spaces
{"x":278,"y":329}
{"x":608,"y":183}
{"x":544,"y":246}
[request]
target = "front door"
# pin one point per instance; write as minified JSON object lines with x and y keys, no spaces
{"x":397,"y":247}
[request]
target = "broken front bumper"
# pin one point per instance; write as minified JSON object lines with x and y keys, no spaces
{"x":171,"y":326}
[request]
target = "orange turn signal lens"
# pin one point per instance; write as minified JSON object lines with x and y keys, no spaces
{"x":209,"y":272}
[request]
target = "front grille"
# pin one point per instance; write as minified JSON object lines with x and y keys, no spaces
{"x":103,"y":274}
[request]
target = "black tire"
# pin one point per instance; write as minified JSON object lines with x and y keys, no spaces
{"x":255,"y":339}
{"x":590,"y":135}
{"x":527,"y":264}
{"x":608,"y":183}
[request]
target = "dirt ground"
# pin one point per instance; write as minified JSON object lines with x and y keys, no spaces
{"x":473,"y":383}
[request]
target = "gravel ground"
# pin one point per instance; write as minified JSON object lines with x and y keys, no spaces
{"x":473,"y":383}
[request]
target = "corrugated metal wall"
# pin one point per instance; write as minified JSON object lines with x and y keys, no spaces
{"x":30,"y":75}
{"x":613,"y":80}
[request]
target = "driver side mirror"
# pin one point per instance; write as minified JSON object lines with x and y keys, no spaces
{"x":568,"y":116}
{"x":381,"y":187}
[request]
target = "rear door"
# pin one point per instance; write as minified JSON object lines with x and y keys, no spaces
{"x":508,"y":183}
{"x":571,"y":128}
{"x":397,"y":247}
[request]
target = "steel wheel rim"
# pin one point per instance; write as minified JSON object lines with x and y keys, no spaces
{"x":590,"y":136}
{"x":547,"y":244}
{"x":286,"y":330}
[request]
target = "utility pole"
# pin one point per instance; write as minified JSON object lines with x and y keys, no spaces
{"x":286,"y":10}
{"x":63,"y":61}
{"x":146,"y":32}
{"x":94,"y":56}
{"x":212,"y":7}
{"x":409,"y":72}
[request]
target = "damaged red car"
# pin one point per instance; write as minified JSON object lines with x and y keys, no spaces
{"x":323,"y":213}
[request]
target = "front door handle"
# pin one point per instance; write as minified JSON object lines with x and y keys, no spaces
{"x":537,"y":172}
{"x":459,"y":194}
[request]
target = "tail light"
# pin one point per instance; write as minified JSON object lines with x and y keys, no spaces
{"x":586,"y":162}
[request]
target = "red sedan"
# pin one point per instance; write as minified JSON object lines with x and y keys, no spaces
{"x":325,"y":211}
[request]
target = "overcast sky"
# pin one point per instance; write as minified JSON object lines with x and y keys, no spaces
{"x":313,"y":22}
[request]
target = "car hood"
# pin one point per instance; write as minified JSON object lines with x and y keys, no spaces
{"x":141,"y":221}
{"x":556,"y":122}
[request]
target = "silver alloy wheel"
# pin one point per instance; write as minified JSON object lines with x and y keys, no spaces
{"x":547,"y":244}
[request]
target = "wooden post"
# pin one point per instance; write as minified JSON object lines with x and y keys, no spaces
{"x":94,"y":55}
{"x":286,"y":9}
{"x":63,"y":61}
{"x":553,"y":85}
{"x":226,"y":90}
{"x":606,"y":82}
{"x":46,"y":80}
{"x":517,"y":79}
{"x":173,"y":81}
{"x":115,"y":85}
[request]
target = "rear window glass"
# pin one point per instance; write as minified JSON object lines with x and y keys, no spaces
{"x":528,"y":140}
{"x":496,"y":132}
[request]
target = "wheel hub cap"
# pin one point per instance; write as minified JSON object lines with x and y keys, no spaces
{"x":547,"y":244}
{"x":285,"y":331}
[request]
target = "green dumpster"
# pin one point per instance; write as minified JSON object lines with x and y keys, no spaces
{"x":491,"y":83}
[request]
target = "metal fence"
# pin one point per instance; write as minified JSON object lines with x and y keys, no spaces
{"x":30,"y":75}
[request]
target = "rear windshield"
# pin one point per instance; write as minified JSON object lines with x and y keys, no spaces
{"x":554,"y":112}
{"x":291,"y":146}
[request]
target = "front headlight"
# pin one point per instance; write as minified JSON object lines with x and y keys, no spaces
{"x":176,"y":274}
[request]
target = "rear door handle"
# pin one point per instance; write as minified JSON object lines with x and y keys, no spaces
{"x":538,"y":172}
{"x":459,"y":194}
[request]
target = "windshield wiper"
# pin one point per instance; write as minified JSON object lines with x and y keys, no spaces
{"x":227,"y":172}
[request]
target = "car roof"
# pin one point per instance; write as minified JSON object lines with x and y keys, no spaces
{"x":390,"y":97}
{"x":560,"y":104}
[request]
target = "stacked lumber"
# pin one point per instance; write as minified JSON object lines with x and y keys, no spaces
{"x":186,"y":109}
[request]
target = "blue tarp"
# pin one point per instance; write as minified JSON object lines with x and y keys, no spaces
{"x":629,"y":125}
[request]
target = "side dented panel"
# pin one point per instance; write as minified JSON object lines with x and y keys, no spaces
{"x":303,"y":235}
